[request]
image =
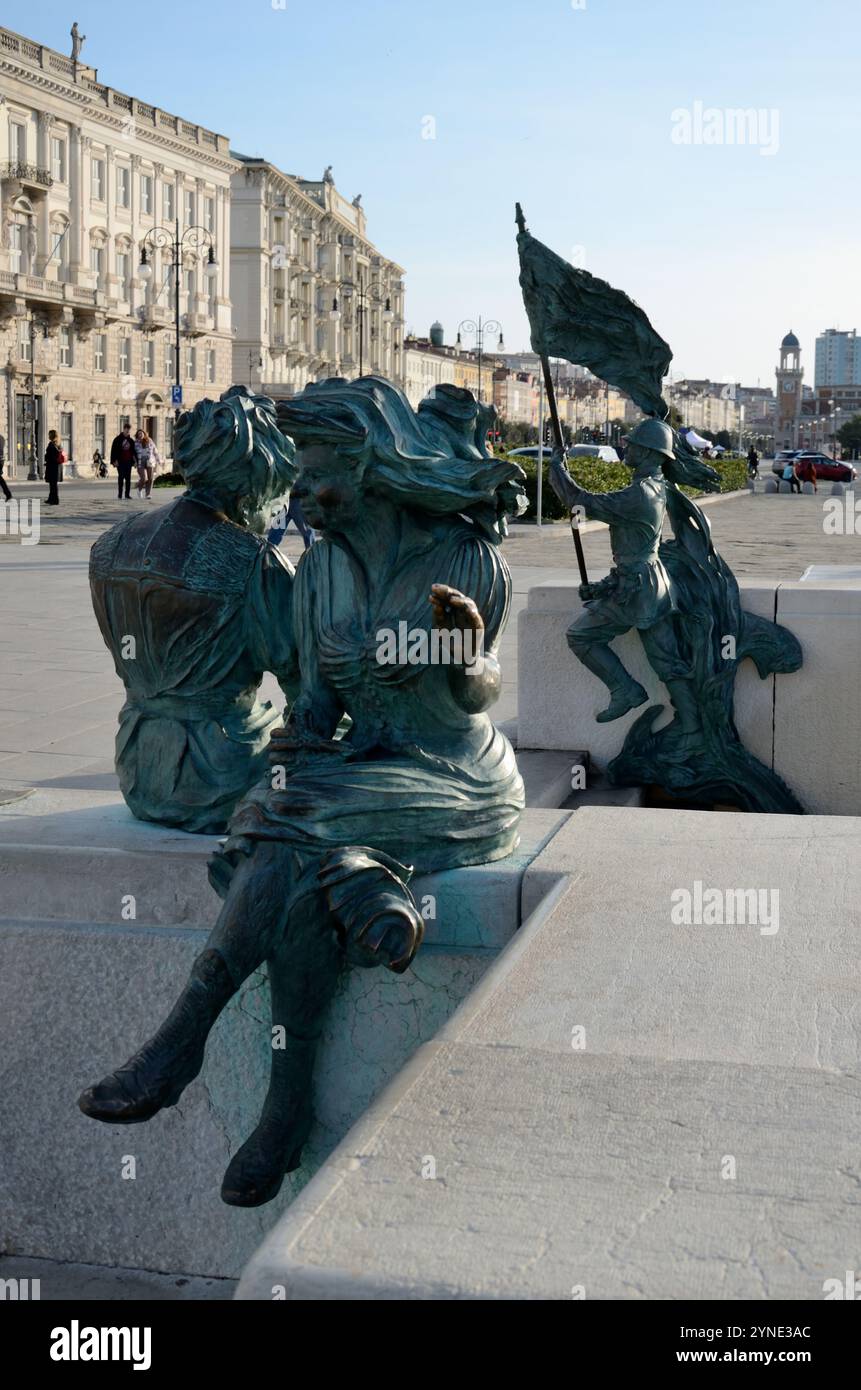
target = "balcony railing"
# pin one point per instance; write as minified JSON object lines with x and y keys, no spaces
{"x":27,"y":173}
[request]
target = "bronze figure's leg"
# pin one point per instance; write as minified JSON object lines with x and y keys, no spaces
{"x":243,"y":936}
{"x":364,"y":913}
{"x":303,"y":974}
{"x":588,"y":638}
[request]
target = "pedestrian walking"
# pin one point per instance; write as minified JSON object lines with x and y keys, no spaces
{"x":147,"y":458}
{"x":99,"y":470}
{"x":4,"y":486}
{"x":123,"y":459}
{"x":54,"y":460}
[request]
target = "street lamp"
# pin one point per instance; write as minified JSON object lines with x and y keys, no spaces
{"x":160,"y":239}
{"x":366,"y":296}
{"x":477,"y":328}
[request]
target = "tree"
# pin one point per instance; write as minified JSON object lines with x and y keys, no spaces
{"x":850,"y":434}
{"x":723,"y":439}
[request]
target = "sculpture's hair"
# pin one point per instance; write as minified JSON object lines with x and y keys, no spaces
{"x":233,"y":447}
{"x":433,"y":460}
{"x":687,"y":469}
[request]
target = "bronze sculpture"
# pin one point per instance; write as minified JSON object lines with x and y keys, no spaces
{"x":314,"y":871}
{"x":194,"y":605}
{"x":679,"y":594}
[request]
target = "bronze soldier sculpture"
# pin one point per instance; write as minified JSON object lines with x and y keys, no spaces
{"x":679,"y":594}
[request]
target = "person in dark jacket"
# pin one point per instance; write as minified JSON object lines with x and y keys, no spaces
{"x":4,"y":488}
{"x":123,"y":459}
{"x":53,"y":458}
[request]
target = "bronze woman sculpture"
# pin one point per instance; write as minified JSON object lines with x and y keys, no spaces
{"x":314,"y":871}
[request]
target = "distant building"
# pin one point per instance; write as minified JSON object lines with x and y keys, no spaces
{"x":706,"y":405}
{"x":838,"y":359}
{"x":86,"y":172}
{"x":426,"y":364}
{"x":429,"y":362}
{"x":313,"y":296}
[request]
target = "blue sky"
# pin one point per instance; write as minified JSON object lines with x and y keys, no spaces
{"x":569,"y":110}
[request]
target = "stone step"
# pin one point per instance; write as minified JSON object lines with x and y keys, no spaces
{"x":73,"y":855}
{"x":81,"y":987}
{"x":626,"y":1106}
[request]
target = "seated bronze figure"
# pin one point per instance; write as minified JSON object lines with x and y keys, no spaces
{"x":194,"y":605}
{"x":314,"y":871}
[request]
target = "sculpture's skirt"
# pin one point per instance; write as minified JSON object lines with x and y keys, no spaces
{"x":425,"y":811}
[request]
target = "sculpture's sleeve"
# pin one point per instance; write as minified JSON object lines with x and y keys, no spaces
{"x":482,"y":575}
{"x":318,"y":709}
{"x":272,"y":638}
{"x":600,"y":506}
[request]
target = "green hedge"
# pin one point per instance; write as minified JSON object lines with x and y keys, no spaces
{"x":169,"y":480}
{"x":597,"y":476}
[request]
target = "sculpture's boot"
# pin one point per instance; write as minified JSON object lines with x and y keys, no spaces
{"x":303,"y":976}
{"x":629,"y":697}
{"x":256,"y":1172}
{"x":156,"y":1076}
{"x":368,"y":896}
{"x":625,"y":692}
{"x":685,"y":704}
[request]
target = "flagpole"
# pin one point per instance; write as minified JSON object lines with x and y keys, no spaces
{"x":560,"y":445}
{"x":557,"y":430}
{"x":540,"y":470}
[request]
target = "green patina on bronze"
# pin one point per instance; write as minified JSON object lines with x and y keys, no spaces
{"x":315,"y":870}
{"x":679,"y":594}
{"x":194,"y":605}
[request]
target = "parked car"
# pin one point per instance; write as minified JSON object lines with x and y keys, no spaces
{"x":605,"y":452}
{"x":827,"y":468}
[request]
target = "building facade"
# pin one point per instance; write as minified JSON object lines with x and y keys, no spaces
{"x":424,"y":368}
{"x":313,"y":296}
{"x":838,"y":359}
{"x":86,"y":173}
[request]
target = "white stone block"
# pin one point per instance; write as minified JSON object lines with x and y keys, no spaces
{"x":817,"y":747}
{"x":558,"y":698}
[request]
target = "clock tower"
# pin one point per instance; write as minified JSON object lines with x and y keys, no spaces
{"x":790,"y":374}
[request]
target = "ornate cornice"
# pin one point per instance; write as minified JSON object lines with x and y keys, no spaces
{"x":84,"y":100}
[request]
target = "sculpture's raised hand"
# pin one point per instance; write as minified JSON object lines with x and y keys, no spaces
{"x":453,"y":610}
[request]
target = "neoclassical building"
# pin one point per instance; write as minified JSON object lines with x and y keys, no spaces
{"x":86,"y":173}
{"x":312,"y":295}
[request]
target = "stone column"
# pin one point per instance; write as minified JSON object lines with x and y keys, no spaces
{"x":43,"y":212}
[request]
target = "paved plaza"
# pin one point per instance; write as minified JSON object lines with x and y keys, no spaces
{"x":59,"y":695}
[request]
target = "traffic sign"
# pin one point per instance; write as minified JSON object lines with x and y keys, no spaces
{"x":176,"y":395}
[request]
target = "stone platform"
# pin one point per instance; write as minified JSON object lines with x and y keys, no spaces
{"x":83,"y":982}
{"x":698,"y":1139}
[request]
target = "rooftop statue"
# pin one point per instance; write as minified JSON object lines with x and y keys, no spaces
{"x":680,"y":595}
{"x":315,"y":871}
{"x":78,"y":41}
{"x":194,"y":605}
